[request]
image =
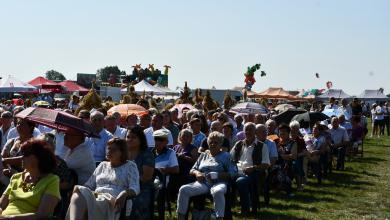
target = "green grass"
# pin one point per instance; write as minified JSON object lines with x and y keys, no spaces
{"x":362,"y":191}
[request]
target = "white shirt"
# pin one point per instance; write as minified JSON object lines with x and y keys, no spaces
{"x":60,"y":147}
{"x":379,"y":113}
{"x":13,"y":133}
{"x":246,"y":156}
{"x":347,"y":112}
{"x":81,"y":160}
{"x":120,"y":132}
{"x":330,"y":106}
{"x":44,"y":129}
{"x":150,"y":139}
{"x":339,"y":135}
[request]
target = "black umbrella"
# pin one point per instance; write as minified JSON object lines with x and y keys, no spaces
{"x":309,"y":118}
{"x":286,"y":116}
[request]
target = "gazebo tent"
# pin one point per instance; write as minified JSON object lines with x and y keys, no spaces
{"x":44,"y":84}
{"x":71,"y":86}
{"x":274,"y":93}
{"x":147,"y":87}
{"x":12,"y":85}
{"x":373,"y":95}
{"x":166,"y":89}
{"x":336,"y":93}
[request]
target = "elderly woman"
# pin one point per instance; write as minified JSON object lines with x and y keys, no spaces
{"x":187,"y":155}
{"x":106,"y":191}
{"x":33,"y":193}
{"x":144,"y":158}
{"x":212,"y":171}
{"x":295,"y":135}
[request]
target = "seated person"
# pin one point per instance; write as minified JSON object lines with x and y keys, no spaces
{"x":164,"y":157}
{"x":144,"y":158}
{"x":212,"y":170}
{"x":11,"y":152}
{"x":316,"y":150}
{"x":110,"y":185}
{"x":187,"y":154}
{"x":33,"y":193}
{"x":251,"y":157}
{"x":78,"y":155}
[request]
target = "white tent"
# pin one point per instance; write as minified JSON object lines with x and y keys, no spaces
{"x":147,"y":87}
{"x":166,"y":89}
{"x":336,"y":93}
{"x":12,"y":84}
{"x":373,"y":95}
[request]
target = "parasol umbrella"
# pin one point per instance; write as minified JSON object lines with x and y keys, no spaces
{"x":308,"y":118}
{"x":333,"y":112}
{"x":283,"y":107}
{"x":249,"y":108}
{"x":286,"y":116}
{"x":41,"y":103}
{"x":127,"y":109}
{"x":56,"y":119}
{"x":180,"y":108}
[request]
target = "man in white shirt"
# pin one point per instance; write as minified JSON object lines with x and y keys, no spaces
{"x":252,"y":159}
{"x":113,"y":127}
{"x":78,"y":155}
{"x":6,"y":126}
{"x":346,"y":109}
{"x":98,"y":145}
{"x":157,"y":124}
{"x":340,"y":141}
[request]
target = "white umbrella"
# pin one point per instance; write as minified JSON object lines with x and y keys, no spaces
{"x":249,"y":108}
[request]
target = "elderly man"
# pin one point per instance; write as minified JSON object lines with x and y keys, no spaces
{"x":157,"y":124}
{"x":340,"y":141}
{"x":112,"y":126}
{"x":261,"y":135}
{"x":98,"y":145}
{"x":272,"y":130}
{"x":78,"y":155}
{"x":252,"y":159}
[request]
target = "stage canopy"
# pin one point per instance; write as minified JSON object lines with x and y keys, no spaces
{"x":12,"y":84}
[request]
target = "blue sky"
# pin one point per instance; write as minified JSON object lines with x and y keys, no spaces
{"x":207,"y":43}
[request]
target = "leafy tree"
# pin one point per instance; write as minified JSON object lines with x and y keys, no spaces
{"x":103,"y":74}
{"x":55,"y":75}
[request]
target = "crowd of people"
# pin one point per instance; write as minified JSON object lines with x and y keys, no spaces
{"x":159,"y":156}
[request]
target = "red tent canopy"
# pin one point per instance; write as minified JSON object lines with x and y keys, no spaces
{"x":71,"y":86}
{"x":44,"y":83}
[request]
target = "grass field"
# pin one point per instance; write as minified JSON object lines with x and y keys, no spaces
{"x":362,"y":191}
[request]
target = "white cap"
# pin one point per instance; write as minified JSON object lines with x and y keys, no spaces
{"x":161,"y":133}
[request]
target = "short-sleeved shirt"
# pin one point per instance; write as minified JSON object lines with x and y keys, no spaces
{"x":114,"y":180}
{"x":145,"y":158}
{"x":21,"y":202}
{"x":166,"y":159}
{"x":221,"y":162}
{"x":339,"y":135}
{"x":150,"y":139}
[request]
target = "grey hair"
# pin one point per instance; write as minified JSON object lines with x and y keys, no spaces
{"x":216,"y":136}
{"x":269,"y":121}
{"x":191,"y":112}
{"x":249,"y":125}
{"x":295,"y":124}
{"x":215,"y":123}
{"x":183,"y":133}
{"x":262,"y":126}
{"x":96,"y":114}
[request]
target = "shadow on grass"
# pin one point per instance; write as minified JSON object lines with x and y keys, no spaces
{"x":265,"y":215}
{"x":372,"y":160}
